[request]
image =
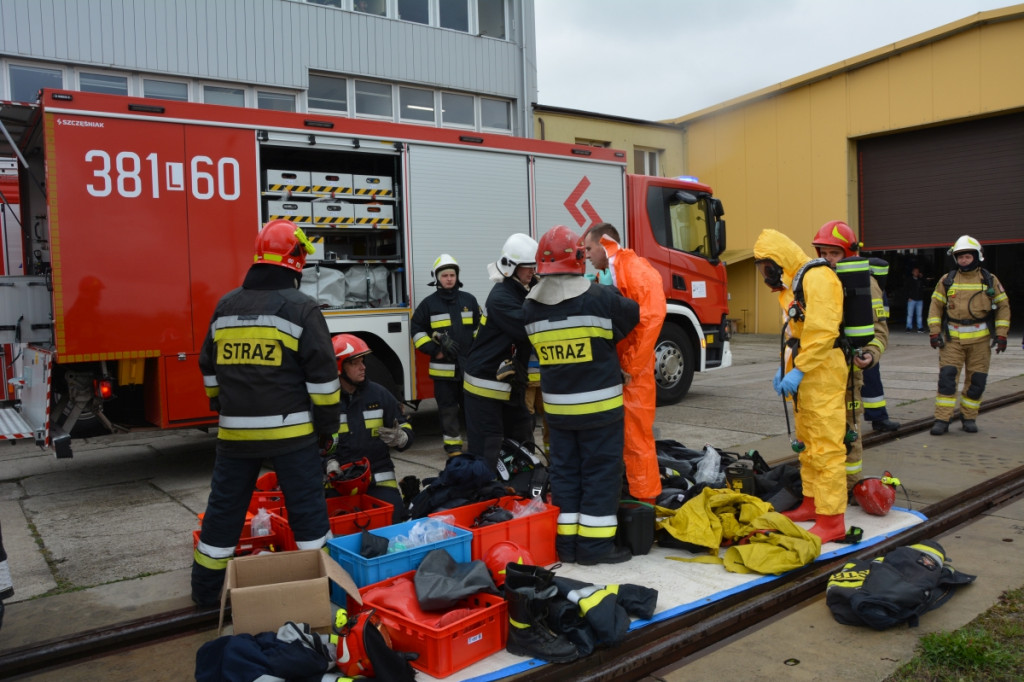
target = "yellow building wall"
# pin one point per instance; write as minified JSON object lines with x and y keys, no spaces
{"x":566,"y":127}
{"x":784,"y":157}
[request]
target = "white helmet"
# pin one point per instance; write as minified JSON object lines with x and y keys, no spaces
{"x":519,"y":249}
{"x":967,"y":243}
{"x":444,"y":262}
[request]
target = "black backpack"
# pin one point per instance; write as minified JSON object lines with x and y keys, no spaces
{"x":893,"y":589}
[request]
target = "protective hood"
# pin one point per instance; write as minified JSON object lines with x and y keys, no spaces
{"x":781,"y":249}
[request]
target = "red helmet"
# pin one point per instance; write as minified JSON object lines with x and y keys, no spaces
{"x":353,"y":659}
{"x":503,"y":553}
{"x":560,"y":252}
{"x":876,"y":495}
{"x":837,"y":233}
{"x":282,"y":242}
{"x":348,"y":347}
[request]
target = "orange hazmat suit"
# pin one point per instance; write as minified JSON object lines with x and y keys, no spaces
{"x":639,"y":281}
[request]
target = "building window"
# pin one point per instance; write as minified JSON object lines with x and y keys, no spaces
{"x":645,"y":161}
{"x":414,"y":10}
{"x":326,"y":3}
{"x":103,"y":83}
{"x":275,"y":101}
{"x":373,"y":99}
{"x":27,"y":81}
{"x":454,"y":14}
{"x":495,"y":113}
{"x":416,"y":105}
{"x":328,"y":92}
{"x":457,"y":110}
{"x":232,"y":97}
{"x":165,"y":90}
{"x":491,"y":16}
{"x":593,"y":143}
{"x":376,"y":7}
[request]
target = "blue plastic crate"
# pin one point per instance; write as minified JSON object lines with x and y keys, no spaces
{"x":345,"y":550}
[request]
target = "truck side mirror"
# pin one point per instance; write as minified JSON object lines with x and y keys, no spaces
{"x":718,"y":239}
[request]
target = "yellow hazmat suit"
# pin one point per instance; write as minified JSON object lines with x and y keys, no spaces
{"x":819,"y":405}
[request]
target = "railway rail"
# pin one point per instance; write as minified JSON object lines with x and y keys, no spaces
{"x":645,"y":650}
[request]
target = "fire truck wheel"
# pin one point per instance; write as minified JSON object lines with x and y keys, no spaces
{"x":673,"y":364}
{"x":378,"y":372}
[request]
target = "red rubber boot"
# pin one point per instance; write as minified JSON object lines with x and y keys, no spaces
{"x":805,"y":512}
{"x":830,"y":528}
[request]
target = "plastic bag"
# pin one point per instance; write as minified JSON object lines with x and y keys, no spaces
{"x":534,"y":505}
{"x":260,"y":524}
{"x":423,"y":532}
{"x":709,"y":469}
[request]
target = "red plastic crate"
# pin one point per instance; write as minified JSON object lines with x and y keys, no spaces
{"x":535,"y":532}
{"x":280,"y":538}
{"x":449,"y":648}
{"x":267,"y":494}
{"x":354,"y":513}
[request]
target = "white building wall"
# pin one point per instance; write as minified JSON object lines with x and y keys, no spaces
{"x":274,"y":43}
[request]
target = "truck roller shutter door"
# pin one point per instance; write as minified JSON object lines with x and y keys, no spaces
{"x":466,"y":203}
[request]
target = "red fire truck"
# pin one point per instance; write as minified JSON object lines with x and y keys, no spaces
{"x":136,"y":215}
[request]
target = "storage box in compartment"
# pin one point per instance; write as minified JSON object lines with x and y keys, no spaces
{"x":534,"y":532}
{"x":372,"y":186}
{"x":446,"y":649}
{"x":295,"y":211}
{"x":374,"y":214}
{"x":338,"y":183}
{"x":333,"y":213}
{"x":345,"y":550}
{"x":288,"y":180}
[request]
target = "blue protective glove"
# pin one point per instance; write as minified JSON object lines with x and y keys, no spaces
{"x":777,"y":380}
{"x":790,"y":382}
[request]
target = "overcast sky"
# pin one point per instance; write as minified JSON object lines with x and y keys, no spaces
{"x":660,"y":59}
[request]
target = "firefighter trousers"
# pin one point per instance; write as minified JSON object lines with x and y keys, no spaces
{"x":974,"y":358}
{"x":300,"y":476}
{"x":821,"y":426}
{"x":639,"y":398}
{"x":586,"y":479}
{"x":854,"y":413}
{"x":449,"y":398}
{"x":873,"y":395}
{"x":489,"y":422}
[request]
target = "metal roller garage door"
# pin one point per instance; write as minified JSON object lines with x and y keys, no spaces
{"x":925,"y":188}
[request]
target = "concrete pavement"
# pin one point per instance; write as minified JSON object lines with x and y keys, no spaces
{"x":108,"y":533}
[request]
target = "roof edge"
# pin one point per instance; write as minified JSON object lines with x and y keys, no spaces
{"x":934,"y":35}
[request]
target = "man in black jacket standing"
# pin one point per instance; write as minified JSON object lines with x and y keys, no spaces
{"x":574,"y":325}
{"x":917,"y":291}
{"x":495,"y":373}
{"x":269,"y":370}
{"x":443,"y":327}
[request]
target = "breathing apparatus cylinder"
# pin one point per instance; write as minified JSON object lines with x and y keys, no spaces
{"x":858,"y":319}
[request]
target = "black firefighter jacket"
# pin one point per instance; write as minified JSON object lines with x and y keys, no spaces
{"x":269,"y":368}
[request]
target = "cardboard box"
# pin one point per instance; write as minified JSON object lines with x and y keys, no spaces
{"x":267,"y":590}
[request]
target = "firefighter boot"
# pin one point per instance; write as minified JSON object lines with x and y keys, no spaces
{"x":805,"y":512}
{"x":528,"y":590}
{"x":939,"y":428}
{"x":829,"y":528}
{"x":970,"y":426}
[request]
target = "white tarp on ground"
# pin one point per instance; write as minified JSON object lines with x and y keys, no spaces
{"x":684,"y":586}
